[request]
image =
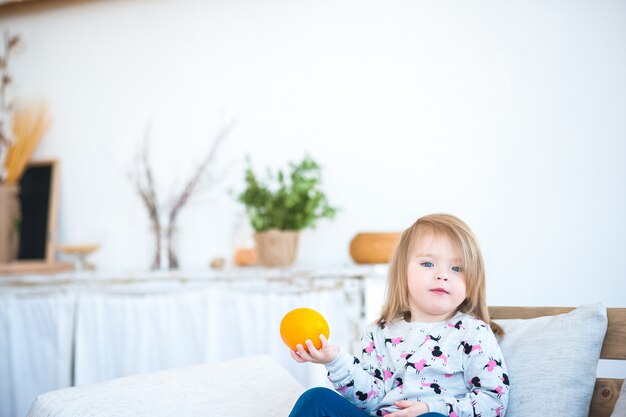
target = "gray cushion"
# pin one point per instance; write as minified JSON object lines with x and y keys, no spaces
{"x":552,"y":362}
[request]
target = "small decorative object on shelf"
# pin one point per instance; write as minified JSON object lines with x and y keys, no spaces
{"x":80,"y":254}
{"x":374,"y":247}
{"x":244,"y":251}
{"x":244,"y":257}
{"x":282,"y":206}
{"x":218,"y":263}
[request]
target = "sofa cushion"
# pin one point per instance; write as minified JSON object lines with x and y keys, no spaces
{"x":245,"y":387}
{"x":552,"y":362}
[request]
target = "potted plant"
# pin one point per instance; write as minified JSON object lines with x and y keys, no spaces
{"x":282,"y":205}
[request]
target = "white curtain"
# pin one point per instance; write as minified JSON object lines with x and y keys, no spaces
{"x":53,"y":337}
{"x":257,"y":326}
{"x":124,"y":333}
{"x":35,"y":346}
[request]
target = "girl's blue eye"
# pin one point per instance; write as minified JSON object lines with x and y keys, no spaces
{"x":427,"y":264}
{"x":457,"y":269}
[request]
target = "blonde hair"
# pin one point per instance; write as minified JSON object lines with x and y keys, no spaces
{"x":397,"y":299}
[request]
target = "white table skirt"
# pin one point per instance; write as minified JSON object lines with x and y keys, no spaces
{"x":80,"y":332}
{"x":125,"y":334}
{"x":35,"y":347}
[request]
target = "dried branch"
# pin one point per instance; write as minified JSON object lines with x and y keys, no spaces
{"x":143,"y":180}
{"x":195,"y":179}
{"x":6,"y":107}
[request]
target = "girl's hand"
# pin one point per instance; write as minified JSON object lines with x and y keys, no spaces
{"x":326,"y":354}
{"x":409,"y":408}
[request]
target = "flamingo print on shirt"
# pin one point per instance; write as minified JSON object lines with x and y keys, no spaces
{"x":505,"y":379}
{"x":419,"y":366}
{"x":345,"y":387}
{"x":386,"y":374}
{"x":474,"y":410}
{"x":369,"y":348}
{"x":467,"y":348}
{"x":475,"y":382}
{"x":429,"y":338}
{"x":363,"y":396}
{"x":491,"y":365}
{"x":498,"y":391}
{"x":395,"y":341}
{"x":434,"y":385}
{"x":458,"y":325}
{"x":451,"y":412}
{"x":437,"y":353}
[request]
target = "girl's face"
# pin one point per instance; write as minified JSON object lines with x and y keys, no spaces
{"x":436,"y":279}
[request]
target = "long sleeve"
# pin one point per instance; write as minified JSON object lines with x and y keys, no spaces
{"x":485,"y":377}
{"x":356,"y":378}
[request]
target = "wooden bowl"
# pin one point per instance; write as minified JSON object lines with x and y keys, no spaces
{"x":374,"y":247}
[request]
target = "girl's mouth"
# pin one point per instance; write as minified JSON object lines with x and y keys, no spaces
{"x":439,"y":291}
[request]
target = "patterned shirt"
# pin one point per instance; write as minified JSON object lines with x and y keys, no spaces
{"x":455,"y":367}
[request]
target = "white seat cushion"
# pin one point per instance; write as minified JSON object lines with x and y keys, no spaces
{"x":250,"y":386}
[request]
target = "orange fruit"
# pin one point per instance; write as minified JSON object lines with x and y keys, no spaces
{"x":301,"y":324}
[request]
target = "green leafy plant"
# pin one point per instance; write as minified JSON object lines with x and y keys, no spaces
{"x":286,"y":202}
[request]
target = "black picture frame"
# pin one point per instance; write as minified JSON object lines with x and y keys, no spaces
{"x":38,"y":202}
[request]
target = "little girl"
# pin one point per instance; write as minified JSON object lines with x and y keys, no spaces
{"x":433,"y":350}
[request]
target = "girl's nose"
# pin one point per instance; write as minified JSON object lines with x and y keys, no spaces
{"x":440,"y":277}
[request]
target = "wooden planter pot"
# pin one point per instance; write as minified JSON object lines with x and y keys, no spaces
{"x":276,"y":247}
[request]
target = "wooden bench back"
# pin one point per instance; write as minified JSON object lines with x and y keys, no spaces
{"x":606,"y":391}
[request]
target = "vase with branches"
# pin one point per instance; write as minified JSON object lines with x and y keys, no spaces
{"x":164,"y":215}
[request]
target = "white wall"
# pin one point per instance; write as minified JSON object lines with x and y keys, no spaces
{"x":507,"y":114}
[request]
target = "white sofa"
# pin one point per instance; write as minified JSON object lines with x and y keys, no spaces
{"x":245,"y":387}
{"x":559,"y":348}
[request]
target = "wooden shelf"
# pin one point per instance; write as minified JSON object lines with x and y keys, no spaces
{"x":34,"y":267}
